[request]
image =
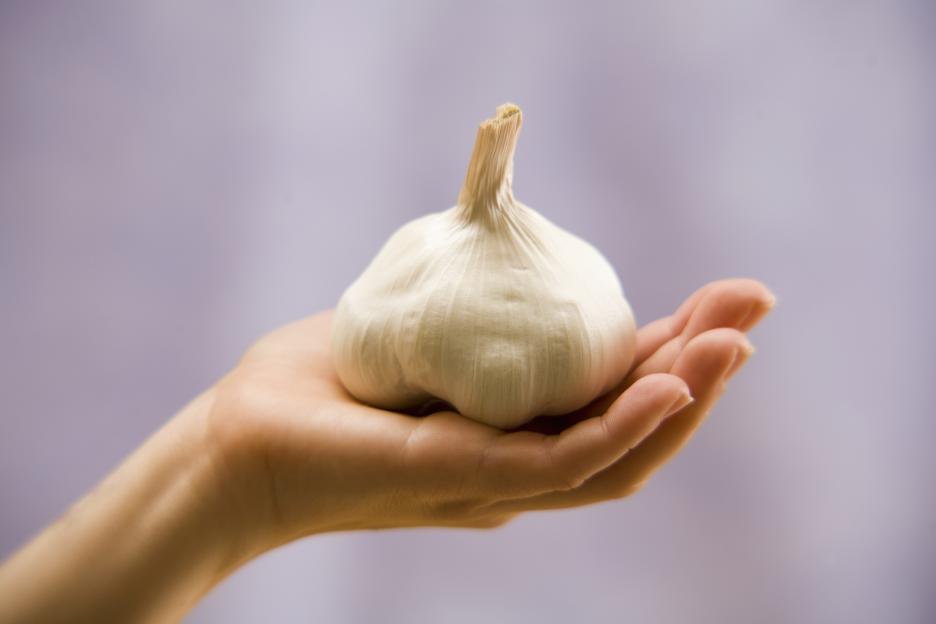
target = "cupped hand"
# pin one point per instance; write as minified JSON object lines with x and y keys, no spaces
{"x":296,"y":454}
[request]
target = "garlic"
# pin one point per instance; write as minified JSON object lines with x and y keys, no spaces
{"x":487,"y":306}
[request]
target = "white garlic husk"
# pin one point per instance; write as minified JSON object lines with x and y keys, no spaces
{"x":487,"y":306}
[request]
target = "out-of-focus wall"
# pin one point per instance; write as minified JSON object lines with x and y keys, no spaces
{"x":178,"y":177}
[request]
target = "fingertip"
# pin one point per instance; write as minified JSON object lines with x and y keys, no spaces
{"x":727,"y":303}
{"x":684,"y":400}
{"x":749,"y":283}
{"x":748,"y":286}
{"x":759,"y":309}
{"x":744,"y":351}
{"x":652,"y":398}
{"x":664,"y":386}
{"x":710,"y":356}
{"x":721,"y":338}
{"x":715,"y":349}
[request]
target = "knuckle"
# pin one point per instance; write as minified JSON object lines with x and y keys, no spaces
{"x":559,"y":476}
{"x":470,"y":514}
{"x":456,"y":510}
{"x":564,"y":480}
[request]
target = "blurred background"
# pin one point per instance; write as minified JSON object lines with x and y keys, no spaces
{"x":177,"y":178}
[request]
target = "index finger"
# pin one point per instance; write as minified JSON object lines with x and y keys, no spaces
{"x":525,"y":463}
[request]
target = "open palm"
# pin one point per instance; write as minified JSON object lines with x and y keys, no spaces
{"x":300,"y":455}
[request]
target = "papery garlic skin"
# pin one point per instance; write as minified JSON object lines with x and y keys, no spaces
{"x":487,"y":305}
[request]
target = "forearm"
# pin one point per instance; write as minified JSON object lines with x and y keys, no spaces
{"x":143,"y":546}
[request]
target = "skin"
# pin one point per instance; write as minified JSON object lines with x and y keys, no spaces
{"x":277,"y":450}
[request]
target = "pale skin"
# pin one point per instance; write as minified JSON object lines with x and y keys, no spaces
{"x":277,"y":450}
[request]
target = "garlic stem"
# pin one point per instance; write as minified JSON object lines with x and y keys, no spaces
{"x":487,"y":188}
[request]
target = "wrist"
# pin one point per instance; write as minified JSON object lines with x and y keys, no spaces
{"x":144,"y":545}
{"x":221,"y":497}
{"x":180,"y":539}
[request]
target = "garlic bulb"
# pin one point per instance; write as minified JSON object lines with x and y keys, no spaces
{"x":487,"y":306}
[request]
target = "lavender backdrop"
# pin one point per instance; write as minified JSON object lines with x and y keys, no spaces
{"x":178,"y":177}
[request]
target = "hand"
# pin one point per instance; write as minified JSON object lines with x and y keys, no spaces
{"x":298,"y":455}
{"x":277,"y":450}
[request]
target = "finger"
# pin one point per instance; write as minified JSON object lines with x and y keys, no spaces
{"x":738,"y":303}
{"x":704,"y":365}
{"x":735,"y":303}
{"x":730,"y":303}
{"x":653,"y":335}
{"x":526,"y":463}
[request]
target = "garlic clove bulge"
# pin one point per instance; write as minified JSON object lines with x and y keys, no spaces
{"x":488,"y":306}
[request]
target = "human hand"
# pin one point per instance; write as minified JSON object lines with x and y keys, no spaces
{"x":277,"y":449}
{"x":296,"y":454}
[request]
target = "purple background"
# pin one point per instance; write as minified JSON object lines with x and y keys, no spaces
{"x":177,"y":178}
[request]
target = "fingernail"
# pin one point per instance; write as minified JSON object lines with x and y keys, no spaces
{"x":683,"y":400}
{"x":744,"y":351}
{"x":758,"y":309}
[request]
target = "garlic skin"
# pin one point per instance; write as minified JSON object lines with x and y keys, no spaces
{"x":487,"y":306}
